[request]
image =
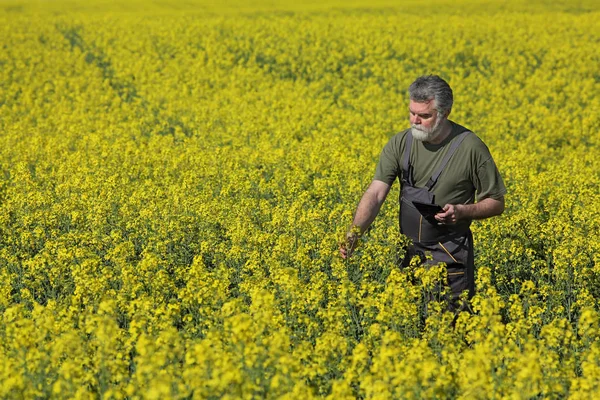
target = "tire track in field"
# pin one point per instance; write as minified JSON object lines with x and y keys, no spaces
{"x":125,"y":88}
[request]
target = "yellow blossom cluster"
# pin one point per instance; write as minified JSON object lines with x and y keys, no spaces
{"x":175,"y":178}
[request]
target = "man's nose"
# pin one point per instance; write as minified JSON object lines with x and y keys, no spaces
{"x":415,"y":120}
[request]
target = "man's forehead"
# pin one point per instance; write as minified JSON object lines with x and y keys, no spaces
{"x":421,"y":106}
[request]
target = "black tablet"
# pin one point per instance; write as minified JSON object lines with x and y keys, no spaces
{"x":426,"y":209}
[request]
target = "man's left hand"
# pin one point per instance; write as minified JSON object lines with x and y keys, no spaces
{"x":485,"y":208}
{"x":450,"y":216}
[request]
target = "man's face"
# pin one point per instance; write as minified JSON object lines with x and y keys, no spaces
{"x":424,"y":120}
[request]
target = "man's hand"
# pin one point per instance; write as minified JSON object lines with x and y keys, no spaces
{"x":367,"y":210}
{"x":347,"y":246}
{"x":485,"y":208}
{"x":451,"y":214}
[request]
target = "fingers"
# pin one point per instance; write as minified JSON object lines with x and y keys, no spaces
{"x":347,"y":247}
{"x":448,"y":217}
{"x":442,"y":217}
{"x":343,"y":252}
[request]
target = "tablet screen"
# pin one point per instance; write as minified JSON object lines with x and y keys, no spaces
{"x":427,"y":210}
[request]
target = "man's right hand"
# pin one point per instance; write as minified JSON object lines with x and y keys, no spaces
{"x":347,"y":247}
{"x":367,"y":210}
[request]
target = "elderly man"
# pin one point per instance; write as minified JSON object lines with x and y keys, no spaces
{"x":448,"y":178}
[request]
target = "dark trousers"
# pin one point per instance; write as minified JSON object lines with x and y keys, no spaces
{"x":460,"y":276}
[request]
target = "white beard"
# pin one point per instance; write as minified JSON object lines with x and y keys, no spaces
{"x":423,"y":134}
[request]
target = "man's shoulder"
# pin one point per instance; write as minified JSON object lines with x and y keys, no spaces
{"x":473,"y":148}
{"x":471,"y":140}
{"x":398,"y":139}
{"x":400,"y":136}
{"x":458,"y":129}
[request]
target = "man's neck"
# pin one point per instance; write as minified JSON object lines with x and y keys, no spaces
{"x":446,"y":129}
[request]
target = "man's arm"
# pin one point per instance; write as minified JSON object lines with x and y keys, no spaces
{"x":367,"y":210}
{"x":485,"y":208}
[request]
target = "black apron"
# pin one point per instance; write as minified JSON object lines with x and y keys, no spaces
{"x":446,"y":243}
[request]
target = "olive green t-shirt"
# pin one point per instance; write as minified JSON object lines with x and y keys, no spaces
{"x":470,"y":174}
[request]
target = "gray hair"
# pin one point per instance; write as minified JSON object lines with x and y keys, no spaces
{"x":428,"y":87}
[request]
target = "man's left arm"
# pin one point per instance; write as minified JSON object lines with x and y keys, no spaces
{"x":484,"y":208}
{"x":488,"y":185}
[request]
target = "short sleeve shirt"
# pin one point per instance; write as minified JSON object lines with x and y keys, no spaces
{"x":470,"y":174}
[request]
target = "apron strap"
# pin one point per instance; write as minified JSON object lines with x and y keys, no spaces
{"x":406,"y":175}
{"x":453,"y":147}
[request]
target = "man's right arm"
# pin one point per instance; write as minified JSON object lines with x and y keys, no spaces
{"x":367,"y":210}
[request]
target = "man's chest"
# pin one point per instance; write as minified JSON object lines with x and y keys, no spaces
{"x":456,"y":175}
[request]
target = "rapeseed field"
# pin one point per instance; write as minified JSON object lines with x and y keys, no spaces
{"x":175,"y":177}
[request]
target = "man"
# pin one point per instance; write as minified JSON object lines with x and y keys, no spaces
{"x":438,"y":162}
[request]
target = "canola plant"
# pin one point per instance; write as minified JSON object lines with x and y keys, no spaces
{"x":176,"y":177}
